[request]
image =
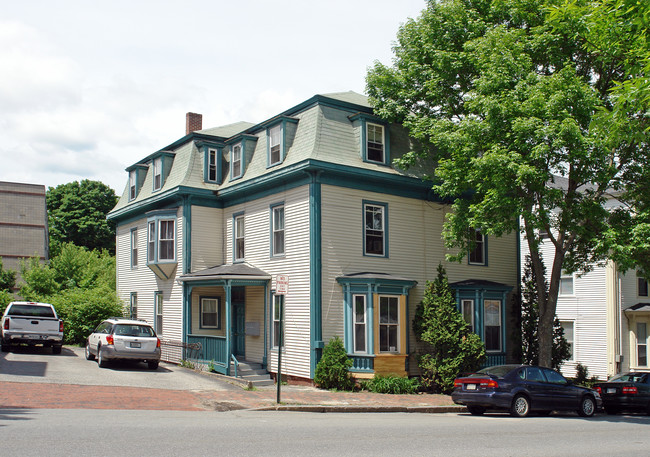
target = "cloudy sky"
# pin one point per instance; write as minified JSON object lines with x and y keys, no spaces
{"x":88,"y":88}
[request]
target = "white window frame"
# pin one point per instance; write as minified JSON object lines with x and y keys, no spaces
{"x":133,"y":185}
{"x":480,"y":247}
{"x":275,"y":144}
{"x":566,"y":279}
{"x":278,"y":230}
{"x":161,"y":240}
{"x":376,"y":145}
{"x":157,"y":174}
{"x":370,"y":208}
{"x":237,"y":160}
{"x":278,"y":305}
{"x":202,"y":312}
{"x":158,"y":311}
{"x":359,"y":321}
{"x":487,"y":303}
{"x":211,"y":175}
{"x":465,"y":305}
{"x":239,"y":237}
{"x":134,"y":248}
{"x":389,"y":326}
{"x":641,"y":343}
{"x":151,"y":241}
{"x":571,"y":339}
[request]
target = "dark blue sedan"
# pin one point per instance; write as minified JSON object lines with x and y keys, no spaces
{"x":522,"y":389}
{"x":626,"y":392}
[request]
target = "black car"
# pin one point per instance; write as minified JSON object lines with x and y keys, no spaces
{"x":522,"y":389}
{"x":626,"y":392}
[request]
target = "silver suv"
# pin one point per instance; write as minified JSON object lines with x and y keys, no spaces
{"x":124,"y":339}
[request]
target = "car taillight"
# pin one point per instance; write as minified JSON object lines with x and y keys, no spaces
{"x":6,"y":326}
{"x":485,"y":383}
{"x":157,"y":342}
{"x":598,"y":389}
{"x":489,"y":383}
{"x":630,"y":390}
{"x":61,"y":326}
{"x":109,"y":339}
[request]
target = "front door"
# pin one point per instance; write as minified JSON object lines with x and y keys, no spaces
{"x":238,"y":329}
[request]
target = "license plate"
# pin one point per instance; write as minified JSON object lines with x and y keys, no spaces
{"x":135,"y":345}
{"x":470,"y":387}
{"x":611,"y":390}
{"x":34,"y":337}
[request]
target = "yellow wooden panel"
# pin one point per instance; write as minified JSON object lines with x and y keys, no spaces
{"x":390,"y":364}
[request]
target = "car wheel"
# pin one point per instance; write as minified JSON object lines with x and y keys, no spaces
{"x":476,"y":410}
{"x":56,"y":349}
{"x":611,"y":410}
{"x":153,"y":365}
{"x":587,"y":407}
{"x":520,"y":406}
{"x":89,"y":355}
{"x":101,"y":360}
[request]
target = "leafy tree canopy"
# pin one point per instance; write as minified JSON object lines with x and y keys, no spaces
{"x":77,"y":214}
{"x":507,"y":101}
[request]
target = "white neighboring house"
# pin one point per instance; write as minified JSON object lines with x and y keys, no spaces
{"x":605,"y":315}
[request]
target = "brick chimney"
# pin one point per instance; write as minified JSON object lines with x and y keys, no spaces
{"x":193,"y":122}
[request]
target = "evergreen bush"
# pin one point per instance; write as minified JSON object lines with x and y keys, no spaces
{"x":332,"y":371}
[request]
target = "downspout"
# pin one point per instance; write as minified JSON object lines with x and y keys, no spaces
{"x":315,"y":271}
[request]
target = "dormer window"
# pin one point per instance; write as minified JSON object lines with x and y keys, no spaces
{"x":375,"y":143}
{"x":133,"y":185}
{"x":275,"y":145}
{"x":157,"y":173}
{"x":212,"y":165}
{"x":236,"y":160}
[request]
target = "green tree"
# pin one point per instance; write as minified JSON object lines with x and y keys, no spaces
{"x":529,"y":319}
{"x":7,"y":278}
{"x":77,"y":214}
{"x":503,"y":102}
{"x":332,"y":370}
{"x":448,"y":346}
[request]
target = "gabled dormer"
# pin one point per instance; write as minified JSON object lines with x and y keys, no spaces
{"x":137,"y":174}
{"x":374,"y":138}
{"x":240,"y":151}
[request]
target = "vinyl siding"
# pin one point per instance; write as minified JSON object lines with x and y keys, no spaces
{"x":207,"y":238}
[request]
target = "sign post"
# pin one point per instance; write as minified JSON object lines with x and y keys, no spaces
{"x":281,"y":288}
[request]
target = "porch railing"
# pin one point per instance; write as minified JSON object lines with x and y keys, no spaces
{"x":362,"y":363}
{"x":494,"y":359}
{"x":214,"y":349}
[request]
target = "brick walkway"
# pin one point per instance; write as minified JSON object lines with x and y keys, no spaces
{"x":52,"y":396}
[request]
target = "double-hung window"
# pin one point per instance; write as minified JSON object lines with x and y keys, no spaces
{"x":642,"y":286}
{"x":166,"y":240}
{"x":467,"y":309}
{"x":134,"y":248}
{"x":157,"y":173}
{"x":134,"y":305}
{"x":158,"y":299}
{"x":133,"y":185}
{"x":567,"y":327}
{"x":492,"y":320}
{"x":375,"y":141}
{"x":374,"y":229}
{"x":239,"y":236}
{"x":275,"y":145}
{"x":277,"y":228}
{"x":642,"y":344}
{"x":212,"y":165}
{"x":477,"y":256}
{"x":210,"y":312}
{"x":236,"y":160}
{"x":566,"y":284}
{"x":151,"y":241}
{"x":388,"y":324}
{"x":360,"y":329}
{"x":278,"y":304}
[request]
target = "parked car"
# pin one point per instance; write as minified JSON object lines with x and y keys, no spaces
{"x":31,"y":323}
{"x":626,"y":391}
{"x":522,"y":389}
{"x":124,"y":339}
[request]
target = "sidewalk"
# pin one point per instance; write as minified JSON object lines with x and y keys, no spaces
{"x":293,"y":398}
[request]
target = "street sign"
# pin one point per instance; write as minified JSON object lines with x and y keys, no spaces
{"x":281,"y":284}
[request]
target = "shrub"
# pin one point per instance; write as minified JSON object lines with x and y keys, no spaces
{"x":448,"y":346}
{"x":391,"y":385}
{"x":332,"y":370}
{"x":582,"y":376}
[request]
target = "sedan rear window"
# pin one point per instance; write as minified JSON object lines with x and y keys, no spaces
{"x":133,"y":330}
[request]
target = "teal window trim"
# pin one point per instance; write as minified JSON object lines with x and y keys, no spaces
{"x":235,"y":238}
{"x":370,"y":234}
{"x":218,"y":312}
{"x":484,"y":248}
{"x":366,"y":120}
{"x":211,"y":165}
{"x":137,"y":174}
{"x":274,"y":251}
{"x":164,"y":161}
{"x":153,"y":237}
{"x":242,"y":161}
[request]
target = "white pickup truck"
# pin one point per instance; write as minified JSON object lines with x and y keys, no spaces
{"x":31,"y":323}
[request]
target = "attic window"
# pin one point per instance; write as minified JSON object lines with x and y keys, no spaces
{"x":236,"y":161}
{"x":275,"y":145}
{"x":375,"y":143}
{"x":133,"y":183}
{"x":157,"y":173}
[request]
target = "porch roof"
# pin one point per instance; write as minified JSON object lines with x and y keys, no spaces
{"x":479,"y":284}
{"x":241,"y":270}
{"x":638,"y":308}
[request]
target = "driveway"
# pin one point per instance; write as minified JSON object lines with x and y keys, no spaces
{"x":39,"y":365}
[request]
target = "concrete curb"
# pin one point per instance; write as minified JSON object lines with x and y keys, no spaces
{"x":364,"y":409}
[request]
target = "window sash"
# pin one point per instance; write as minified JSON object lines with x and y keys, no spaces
{"x":388,"y":324}
{"x":278,"y":230}
{"x":132,"y":185}
{"x":374,"y":229}
{"x":212,"y":165}
{"x":159,"y":313}
{"x":360,"y":327}
{"x":477,"y":255}
{"x":375,"y":143}
{"x":642,"y":344}
{"x":239,"y":231}
{"x":151,"y":242}
{"x":492,"y":325}
{"x":275,"y":145}
{"x":236,"y":161}
{"x":134,"y":248}
{"x":166,"y":240}
{"x":566,"y":285}
{"x":568,"y":327}
{"x":157,"y":173}
{"x":210,"y":313}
